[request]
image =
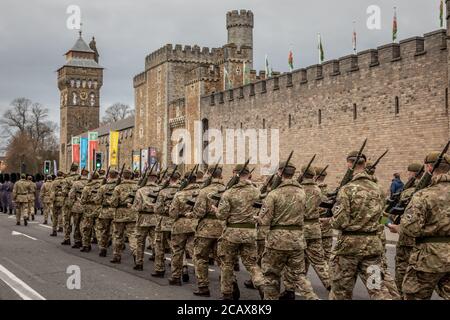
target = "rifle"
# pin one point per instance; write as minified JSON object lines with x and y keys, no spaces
{"x":373,"y":167}
{"x":119,"y":180}
{"x":92,"y":176}
{"x":208,"y":181}
{"x":320,"y":173}
{"x":185,"y":181}
{"x":105,"y":179}
{"x":267,"y":184}
{"x":144,"y":178}
{"x":329,"y":204}
{"x":302,"y":177}
{"x":233,"y":181}
{"x":277,"y":179}
{"x":161,"y":179}
{"x":165,"y":185}
{"x":424,"y":182}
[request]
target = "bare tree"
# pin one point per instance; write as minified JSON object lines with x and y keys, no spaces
{"x":17,"y":117}
{"x":116,"y":112}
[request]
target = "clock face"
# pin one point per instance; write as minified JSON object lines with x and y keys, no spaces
{"x":83,"y":95}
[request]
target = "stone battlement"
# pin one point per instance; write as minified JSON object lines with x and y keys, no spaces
{"x":408,"y":49}
{"x":139,"y":79}
{"x":202,"y":73}
{"x":240,"y":18}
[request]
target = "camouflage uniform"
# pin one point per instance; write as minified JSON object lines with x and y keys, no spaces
{"x":357,"y":215}
{"x":183,"y":229}
{"x":164,"y":225}
{"x":124,"y":218}
{"x":57,"y":198}
{"x":314,"y":251}
{"x":45,"y":198}
{"x":91,"y":210}
{"x":325,"y":228}
{"x":427,"y":219}
{"x":146,"y":218}
{"x":208,"y":231}
{"x":76,"y":207}
{"x":106,"y":215}
{"x":31,"y":197}
{"x":20,"y":196}
{"x":66,"y":210}
{"x":239,"y":236}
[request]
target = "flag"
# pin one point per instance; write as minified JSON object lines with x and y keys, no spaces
{"x":321,"y":53}
{"x":246,"y":74}
{"x":394,"y":26}
{"x":83,"y":152}
{"x":226,"y":80}
{"x":114,"y":148}
{"x":441,"y":13}
{"x":291,"y":61}
{"x":76,"y":149}
{"x":354,"y":38}
{"x":93,"y":148}
{"x":55,"y":168}
{"x":267,"y":68}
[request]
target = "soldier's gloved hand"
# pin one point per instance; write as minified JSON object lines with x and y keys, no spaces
{"x":394,"y":228}
{"x":214,"y":208}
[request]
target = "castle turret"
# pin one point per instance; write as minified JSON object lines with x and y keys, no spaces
{"x":240,"y":28}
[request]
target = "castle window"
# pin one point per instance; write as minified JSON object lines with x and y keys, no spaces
{"x":221,"y":97}
{"x":289,"y":80}
{"x":158,"y":97}
{"x":241,"y":92}
{"x":212,"y":102}
{"x":263,"y":86}
{"x":355,"y":112}
{"x":320,"y":116}
{"x":290,"y":121}
{"x":276,"y":84}
{"x":252,"y":89}
{"x":230,"y":95}
{"x":158,"y":75}
{"x":264,"y":123}
{"x":241,"y":125}
{"x":141,"y":132}
{"x":397,"y":105}
{"x":238,"y":70}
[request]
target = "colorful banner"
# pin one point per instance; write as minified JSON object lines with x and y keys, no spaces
{"x":136,"y":160}
{"x":76,"y":149}
{"x":114,"y":148}
{"x":83,"y":153}
{"x":93,"y":147}
{"x":144,"y":158}
{"x":153,"y":157}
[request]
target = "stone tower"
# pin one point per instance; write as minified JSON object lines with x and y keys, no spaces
{"x":79,"y":83}
{"x":240,"y":29}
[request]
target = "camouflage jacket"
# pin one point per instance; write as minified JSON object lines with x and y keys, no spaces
{"x":162,"y":206}
{"x":56,"y":194}
{"x":236,"y":209}
{"x":68,"y":182}
{"x":427,"y":219}
{"x":179,"y":208}
{"x":357,"y":213}
{"x":403,"y":239}
{"x":45,"y":192}
{"x":313,"y":199}
{"x":75,"y":195}
{"x":283,"y":210}
{"x":31,"y":190}
{"x":104,"y":195}
{"x":144,"y":206}
{"x":208,"y":226}
{"x":123,"y":195}
{"x":325,"y":225}
{"x":88,"y":198}
{"x":20,"y":191}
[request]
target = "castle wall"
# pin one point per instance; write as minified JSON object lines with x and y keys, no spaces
{"x":332,"y":107}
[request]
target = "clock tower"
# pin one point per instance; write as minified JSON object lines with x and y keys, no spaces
{"x":79,"y":83}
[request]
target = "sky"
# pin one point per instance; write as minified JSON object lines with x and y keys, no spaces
{"x":34,"y":36}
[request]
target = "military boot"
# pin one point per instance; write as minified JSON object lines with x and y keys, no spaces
{"x":77,"y":245}
{"x":116,"y":260}
{"x":10,"y":211}
{"x":158,"y":274}
{"x":227,"y":297}
{"x":138,"y":267}
{"x":32,"y":217}
{"x":236,"y":292}
{"x":53,"y":234}
{"x":45,"y":222}
{"x":202,"y":292}
{"x":94,"y":241}
{"x":25,"y":222}
{"x":66,"y":242}
{"x":185,"y":274}
{"x":151,"y":258}
{"x":175,"y":281}
{"x":249,"y":284}
{"x":86,"y":249}
{"x":211,"y":261}
{"x":60,"y":229}
{"x":102,"y":253}
{"x":18,"y":223}
{"x":237,"y":267}
{"x":287,"y":295}
{"x":261,"y":292}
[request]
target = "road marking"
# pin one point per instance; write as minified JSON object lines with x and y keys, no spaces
{"x":11,"y":217}
{"x":20,"y":287}
{"x":45,"y":226}
{"x":15,"y":233}
{"x":26,"y":271}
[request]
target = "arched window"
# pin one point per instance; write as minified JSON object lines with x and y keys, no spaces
{"x":397,"y":105}
{"x":355,"y":112}
{"x":290,"y":121}
{"x":320,"y":116}
{"x":264,"y":123}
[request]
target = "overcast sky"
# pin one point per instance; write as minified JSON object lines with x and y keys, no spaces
{"x":34,"y":36}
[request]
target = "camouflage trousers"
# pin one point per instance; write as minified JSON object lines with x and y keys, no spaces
{"x":67,"y":222}
{"x":327,"y":245}
{"x":228,"y":253}
{"x":260,"y":248}
{"x":141,"y":234}
{"x":103,"y":230}
{"x":180,"y":243}
{"x":162,"y":242}
{"x":87,"y":230}
{"x":402,"y":255}
{"x":76,"y":220}
{"x":119,"y":230}
{"x":21,"y":210}
{"x":314,"y":255}
{"x":203,"y":248}
{"x":344,"y":271}
{"x":388,"y":279}
{"x":419,"y":285}
{"x":46,"y":208}
{"x":31,"y":208}
{"x":289,"y":264}
{"x":56,"y":218}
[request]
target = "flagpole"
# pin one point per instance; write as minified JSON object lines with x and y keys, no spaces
{"x":354,"y":38}
{"x":394,"y":26}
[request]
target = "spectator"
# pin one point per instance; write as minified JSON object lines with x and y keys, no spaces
{"x":397,"y":184}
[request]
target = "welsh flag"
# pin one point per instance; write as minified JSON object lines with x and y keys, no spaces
{"x":394,"y":26}
{"x":441,"y":13}
{"x":246,"y":74}
{"x":226,"y":79}
{"x":354,"y":40}
{"x":291,"y":60}
{"x":267,"y":67}
{"x":321,"y":52}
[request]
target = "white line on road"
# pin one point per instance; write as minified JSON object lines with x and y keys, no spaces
{"x":15,"y":233}
{"x":20,"y":287}
{"x":45,"y":226}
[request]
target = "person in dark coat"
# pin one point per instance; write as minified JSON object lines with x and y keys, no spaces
{"x":397,"y":184}
{"x":37,"y":199}
{"x":2,"y":181}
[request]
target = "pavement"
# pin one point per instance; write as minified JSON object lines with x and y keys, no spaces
{"x":35,"y":266}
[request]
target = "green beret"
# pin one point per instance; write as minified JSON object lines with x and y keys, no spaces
{"x":49,"y":177}
{"x":218,"y":170}
{"x":311,"y":172}
{"x":23,"y":176}
{"x":127,"y":173}
{"x":101,"y":172}
{"x":433,"y":156}
{"x":95,"y":175}
{"x":74,"y":166}
{"x":60,"y":174}
{"x":415,"y":167}
{"x":239,"y":167}
{"x":319,"y":171}
{"x":354,"y":154}
{"x":84,"y":171}
{"x":113,"y":171}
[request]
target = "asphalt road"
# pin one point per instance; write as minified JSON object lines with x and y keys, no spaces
{"x":35,"y":266}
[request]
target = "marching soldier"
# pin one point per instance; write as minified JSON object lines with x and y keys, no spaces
{"x":357,"y":216}
{"x":124,"y":217}
{"x":325,"y":228}
{"x":20,"y":196}
{"x":239,"y":235}
{"x":183,"y":228}
{"x":164,"y":223}
{"x":31,"y":196}
{"x":106,"y":215}
{"x":76,"y":208}
{"x":91,"y":210}
{"x":45,"y":198}
{"x":146,"y":217}
{"x":66,"y":210}
{"x":57,"y":201}
{"x":209,"y":230}
{"x":427,"y":220}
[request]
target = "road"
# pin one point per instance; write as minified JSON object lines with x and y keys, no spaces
{"x":34,"y":266}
